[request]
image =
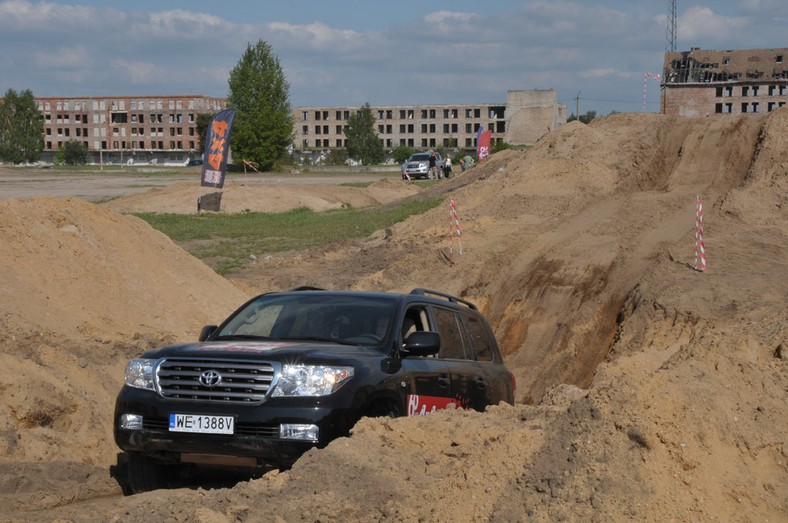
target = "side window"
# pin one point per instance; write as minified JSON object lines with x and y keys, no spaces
{"x":448,"y":326}
{"x":480,"y":338}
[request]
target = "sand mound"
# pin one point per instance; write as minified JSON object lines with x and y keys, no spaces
{"x":647,"y":390}
{"x":78,"y":270}
{"x":240,"y":197}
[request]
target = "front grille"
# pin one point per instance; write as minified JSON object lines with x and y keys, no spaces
{"x":242,"y":381}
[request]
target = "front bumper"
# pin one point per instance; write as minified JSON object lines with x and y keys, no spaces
{"x":256,"y":432}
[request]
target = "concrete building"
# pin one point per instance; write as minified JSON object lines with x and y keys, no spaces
{"x":526,"y":116}
{"x":703,"y":83}
{"x":142,"y":129}
{"x":125,"y":129}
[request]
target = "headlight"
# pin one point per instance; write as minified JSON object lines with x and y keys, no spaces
{"x":139,"y":373}
{"x":311,"y":380}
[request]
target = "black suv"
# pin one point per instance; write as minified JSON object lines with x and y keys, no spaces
{"x":292,"y":370}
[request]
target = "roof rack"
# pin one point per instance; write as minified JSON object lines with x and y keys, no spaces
{"x":306,"y":288}
{"x":454,"y":299}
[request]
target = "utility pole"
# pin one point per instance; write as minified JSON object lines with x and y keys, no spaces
{"x":577,"y":105}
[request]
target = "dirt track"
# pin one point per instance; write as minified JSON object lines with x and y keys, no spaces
{"x":647,"y":390}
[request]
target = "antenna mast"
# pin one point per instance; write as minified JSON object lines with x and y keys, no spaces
{"x":670,"y":45}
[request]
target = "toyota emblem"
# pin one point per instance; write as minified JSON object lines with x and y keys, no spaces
{"x":210,"y":378}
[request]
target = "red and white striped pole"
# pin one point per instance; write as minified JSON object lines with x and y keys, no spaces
{"x":454,"y":222}
{"x":700,"y":248}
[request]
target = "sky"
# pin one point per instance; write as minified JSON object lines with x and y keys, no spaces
{"x":594,"y":53}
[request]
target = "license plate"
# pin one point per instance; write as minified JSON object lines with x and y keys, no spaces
{"x":201,"y":423}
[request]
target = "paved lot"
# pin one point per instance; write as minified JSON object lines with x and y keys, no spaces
{"x":98,"y":186}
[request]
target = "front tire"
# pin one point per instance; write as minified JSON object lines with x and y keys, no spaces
{"x":384,"y":408}
{"x":145,"y":474}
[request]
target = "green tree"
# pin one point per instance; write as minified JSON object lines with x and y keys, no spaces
{"x":500,"y":146}
{"x":402,"y":153}
{"x":362,"y":140}
{"x":336,"y":157}
{"x":202,"y":123}
{"x":21,"y":128}
{"x":585,"y":118}
{"x":263,"y":125}
{"x":73,"y":152}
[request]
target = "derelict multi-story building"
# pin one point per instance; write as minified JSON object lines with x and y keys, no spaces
{"x":127,"y":129}
{"x":704,"y":83}
{"x":522,"y":119}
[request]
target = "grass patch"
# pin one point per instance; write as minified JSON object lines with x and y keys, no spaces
{"x":225,"y":241}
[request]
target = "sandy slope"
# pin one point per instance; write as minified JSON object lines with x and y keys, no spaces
{"x":647,"y":390}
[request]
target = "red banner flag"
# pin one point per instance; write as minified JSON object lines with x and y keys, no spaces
{"x":217,"y":147}
{"x":483,"y":145}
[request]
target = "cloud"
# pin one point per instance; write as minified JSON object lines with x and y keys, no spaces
{"x":698,"y":23}
{"x":608,"y":72}
{"x":63,"y":58}
{"x":136,"y":72}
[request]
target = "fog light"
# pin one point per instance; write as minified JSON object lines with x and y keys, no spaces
{"x":131,"y":421}
{"x":298,"y":431}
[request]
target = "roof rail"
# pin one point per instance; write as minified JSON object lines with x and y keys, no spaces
{"x":453,"y":299}
{"x":306,"y":288}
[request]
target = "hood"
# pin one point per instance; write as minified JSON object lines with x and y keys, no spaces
{"x":290,"y":351}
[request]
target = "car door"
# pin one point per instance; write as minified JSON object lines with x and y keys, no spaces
{"x":468,"y":382}
{"x":429,"y":387}
{"x":492,"y":381}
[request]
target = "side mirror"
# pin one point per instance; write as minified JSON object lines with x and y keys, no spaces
{"x":422,"y":344}
{"x":206,"y":332}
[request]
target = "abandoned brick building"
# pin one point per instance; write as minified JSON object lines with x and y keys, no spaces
{"x":704,"y":83}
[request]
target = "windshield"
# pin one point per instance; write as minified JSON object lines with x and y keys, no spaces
{"x":356,"y":320}
{"x":422,"y":157}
